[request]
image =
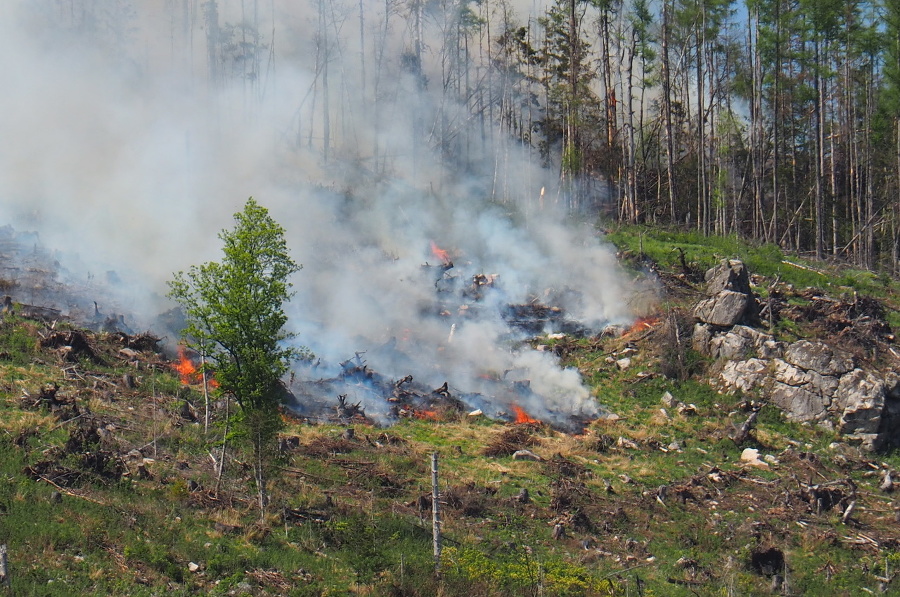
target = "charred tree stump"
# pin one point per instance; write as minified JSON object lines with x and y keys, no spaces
{"x":743,"y":433}
{"x":559,"y":532}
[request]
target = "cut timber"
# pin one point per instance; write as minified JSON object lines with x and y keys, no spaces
{"x":803,"y":267}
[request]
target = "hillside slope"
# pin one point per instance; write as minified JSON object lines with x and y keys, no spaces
{"x":112,"y":483}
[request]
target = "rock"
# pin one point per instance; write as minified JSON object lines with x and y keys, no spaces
{"x":860,"y":398}
{"x":669,"y":401}
{"x":790,"y":374}
{"x":129,"y":353}
{"x":624,"y":442}
{"x":818,"y":356}
{"x":525,"y":455}
{"x":869,"y":442}
{"x":730,"y":274}
{"x":799,"y":404}
{"x":737,"y":343}
{"x":687,"y":410}
{"x":750,"y":457}
{"x":623,"y":363}
{"x":887,"y":482}
{"x":745,"y":375}
{"x":771,"y":349}
{"x":193,"y":566}
{"x":725,"y":308}
{"x":701,"y":338}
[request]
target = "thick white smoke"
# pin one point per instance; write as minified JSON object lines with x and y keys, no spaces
{"x":128,"y":148}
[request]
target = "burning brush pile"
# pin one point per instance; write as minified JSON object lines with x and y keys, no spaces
{"x":464,"y":352}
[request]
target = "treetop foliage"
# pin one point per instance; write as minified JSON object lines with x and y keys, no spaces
{"x":234,"y":308}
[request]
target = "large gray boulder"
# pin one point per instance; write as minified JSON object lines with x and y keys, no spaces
{"x":724,"y":309}
{"x":808,"y":380}
{"x":860,"y":399}
{"x":746,"y":375}
{"x":738,"y":342}
{"x":799,"y":403}
{"x":730,"y":274}
{"x":818,"y":356}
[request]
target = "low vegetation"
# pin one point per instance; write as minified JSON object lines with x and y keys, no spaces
{"x":112,"y":481}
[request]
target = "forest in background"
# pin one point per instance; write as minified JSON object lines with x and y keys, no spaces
{"x":776,"y":120}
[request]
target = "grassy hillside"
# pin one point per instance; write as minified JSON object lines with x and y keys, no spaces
{"x":111,"y":483}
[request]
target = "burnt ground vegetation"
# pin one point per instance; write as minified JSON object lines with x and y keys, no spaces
{"x":112,"y":481}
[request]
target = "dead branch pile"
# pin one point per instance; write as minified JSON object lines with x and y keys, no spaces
{"x":513,"y":439}
{"x":824,"y":497}
{"x":470,"y":499}
{"x":858,"y":318}
{"x":82,"y":458}
{"x":270,"y":578}
{"x":143,"y":342}
{"x":559,"y":466}
{"x":326,"y":447}
{"x":71,"y":346}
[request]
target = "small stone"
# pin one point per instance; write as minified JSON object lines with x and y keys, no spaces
{"x":750,"y":457}
{"x":669,"y":401}
{"x":525,"y":455}
{"x":687,"y":410}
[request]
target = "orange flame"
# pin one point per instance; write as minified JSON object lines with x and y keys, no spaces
{"x":522,"y":417}
{"x":188,"y":371}
{"x":643,"y":323}
{"x":185,"y":367}
{"x":440,"y":253}
{"x":426,"y":414}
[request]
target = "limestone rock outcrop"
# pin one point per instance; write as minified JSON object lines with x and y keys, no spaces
{"x":810,"y":380}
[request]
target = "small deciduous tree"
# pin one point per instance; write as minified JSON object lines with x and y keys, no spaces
{"x":234,"y":312}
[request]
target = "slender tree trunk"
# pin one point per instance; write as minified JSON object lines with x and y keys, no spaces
{"x":703,"y":215}
{"x":818,"y":114}
{"x":259,"y":471}
{"x":667,"y":111}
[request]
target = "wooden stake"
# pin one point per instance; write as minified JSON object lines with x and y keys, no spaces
{"x":435,"y":513}
{"x":205,"y":392}
{"x":4,"y":567}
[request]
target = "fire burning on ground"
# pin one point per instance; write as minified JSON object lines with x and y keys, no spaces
{"x":190,"y":373}
{"x":643,"y":324}
{"x":469,"y":339}
{"x":522,"y":417}
{"x":441,"y":254}
{"x":184,"y":366}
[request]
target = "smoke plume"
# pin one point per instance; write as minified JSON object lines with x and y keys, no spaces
{"x":131,"y":131}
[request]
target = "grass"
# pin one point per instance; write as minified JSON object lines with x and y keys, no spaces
{"x":653,"y":503}
{"x":664,"y":247}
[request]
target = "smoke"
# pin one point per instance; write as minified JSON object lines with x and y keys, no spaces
{"x":128,"y":146}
